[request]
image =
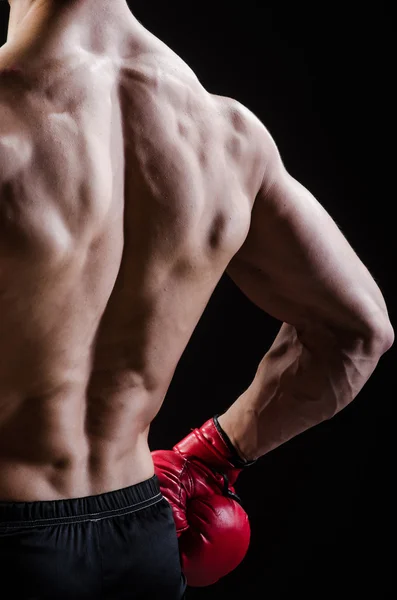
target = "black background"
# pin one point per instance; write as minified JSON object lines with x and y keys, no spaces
{"x":321,"y":79}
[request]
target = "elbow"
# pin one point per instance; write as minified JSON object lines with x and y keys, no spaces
{"x":381,"y":336}
{"x":375,"y":334}
{"x":375,"y":337}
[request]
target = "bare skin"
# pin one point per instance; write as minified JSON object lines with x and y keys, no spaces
{"x":126,"y":191}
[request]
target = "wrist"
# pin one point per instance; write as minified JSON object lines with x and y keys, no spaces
{"x":240,"y":445}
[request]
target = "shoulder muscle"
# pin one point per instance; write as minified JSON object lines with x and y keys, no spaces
{"x":295,"y":263}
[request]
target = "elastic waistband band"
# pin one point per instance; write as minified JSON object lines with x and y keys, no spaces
{"x":90,"y":508}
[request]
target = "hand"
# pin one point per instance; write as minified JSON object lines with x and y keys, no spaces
{"x":197,"y":478}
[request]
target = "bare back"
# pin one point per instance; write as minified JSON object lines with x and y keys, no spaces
{"x":125,"y":190}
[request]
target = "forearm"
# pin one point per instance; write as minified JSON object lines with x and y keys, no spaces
{"x":302,"y":381}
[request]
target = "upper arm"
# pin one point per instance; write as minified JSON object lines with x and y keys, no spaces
{"x":295,"y":263}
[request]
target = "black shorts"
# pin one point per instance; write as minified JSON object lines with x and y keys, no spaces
{"x":120,"y":545}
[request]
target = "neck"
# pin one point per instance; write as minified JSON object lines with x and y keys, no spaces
{"x":55,"y":28}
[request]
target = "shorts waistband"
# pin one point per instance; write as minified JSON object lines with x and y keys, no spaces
{"x":90,"y":508}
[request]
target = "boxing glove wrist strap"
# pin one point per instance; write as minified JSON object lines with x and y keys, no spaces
{"x":235,"y":459}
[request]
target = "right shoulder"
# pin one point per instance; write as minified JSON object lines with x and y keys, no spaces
{"x":15,"y":141}
{"x":264,"y":158}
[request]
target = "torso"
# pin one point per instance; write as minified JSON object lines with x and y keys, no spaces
{"x":125,"y":190}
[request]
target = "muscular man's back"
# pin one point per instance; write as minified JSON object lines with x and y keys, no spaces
{"x":126,"y":189}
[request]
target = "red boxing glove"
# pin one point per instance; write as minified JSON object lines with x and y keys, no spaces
{"x":197,"y":478}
